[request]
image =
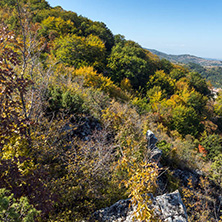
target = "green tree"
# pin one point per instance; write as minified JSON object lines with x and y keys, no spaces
{"x":12,"y":210}
{"x":186,"y":121}
{"x":163,"y":81}
{"x":99,"y":29}
{"x":55,"y":27}
{"x":198,"y":83}
{"x":63,"y":100}
{"x":197,"y":101}
{"x":81,"y":26}
{"x":218,"y":104}
{"x":194,"y":67}
{"x":34,"y":4}
{"x":177,"y":74}
{"x":129,"y":60}
{"x":79,"y":51}
{"x":10,"y":11}
{"x":165,"y":65}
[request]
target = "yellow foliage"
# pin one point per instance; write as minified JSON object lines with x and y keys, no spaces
{"x":162,"y":128}
{"x":93,"y":79}
{"x":126,"y":85}
{"x":182,"y":84}
{"x":179,"y":67}
{"x":156,"y":97}
{"x":160,"y":78}
{"x":15,"y":147}
{"x":174,"y":101}
{"x":57,"y":24}
{"x":151,"y":56}
{"x":93,"y":40}
{"x":141,"y":181}
{"x":18,"y":147}
{"x":115,"y":114}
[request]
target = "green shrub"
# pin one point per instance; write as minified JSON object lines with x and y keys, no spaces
{"x":141,"y":104}
{"x":15,"y":210}
{"x":216,"y":169}
{"x":67,"y":101}
{"x":213,"y":145}
{"x":165,"y":147}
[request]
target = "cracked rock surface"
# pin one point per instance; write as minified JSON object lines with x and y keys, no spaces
{"x":168,"y":207}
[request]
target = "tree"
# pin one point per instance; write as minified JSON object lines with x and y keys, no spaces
{"x":129,"y":60}
{"x":10,"y":13}
{"x":64,"y":100}
{"x":198,"y":83}
{"x":165,"y":65}
{"x":79,"y":51}
{"x":163,"y":81}
{"x":13,"y":112}
{"x":218,"y":104}
{"x":99,"y":29}
{"x":55,"y":27}
{"x":186,"y":121}
{"x":177,"y":74}
{"x":18,"y":171}
{"x":197,"y":101}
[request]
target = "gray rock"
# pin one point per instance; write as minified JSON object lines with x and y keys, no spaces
{"x":172,"y":207}
{"x":82,"y":127}
{"x":168,"y":207}
{"x":185,"y":175}
{"x":155,"y":153}
{"x":117,"y":212}
{"x":151,"y":139}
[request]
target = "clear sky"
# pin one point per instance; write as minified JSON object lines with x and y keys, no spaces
{"x":171,"y":26}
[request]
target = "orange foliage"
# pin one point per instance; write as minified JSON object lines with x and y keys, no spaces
{"x":202,"y":150}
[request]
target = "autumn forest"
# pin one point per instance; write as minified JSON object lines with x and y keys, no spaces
{"x":76,"y":103}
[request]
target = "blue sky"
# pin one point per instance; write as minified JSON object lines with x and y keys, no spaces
{"x":171,"y":26}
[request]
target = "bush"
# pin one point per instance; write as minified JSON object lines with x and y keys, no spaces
{"x":165,"y":147}
{"x":216,"y":169}
{"x":213,"y":145}
{"x":65,"y":100}
{"x":15,"y":210}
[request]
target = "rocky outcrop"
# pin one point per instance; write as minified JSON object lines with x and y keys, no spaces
{"x":81,"y":127}
{"x":120,"y":211}
{"x":171,"y":207}
{"x":155,"y":153}
{"x":168,"y":207}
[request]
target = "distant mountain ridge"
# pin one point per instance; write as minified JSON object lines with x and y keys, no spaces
{"x":186,"y":58}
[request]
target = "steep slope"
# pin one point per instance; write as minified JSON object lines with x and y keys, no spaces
{"x":76,"y":102}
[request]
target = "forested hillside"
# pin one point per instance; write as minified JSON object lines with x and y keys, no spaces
{"x":76,"y":102}
{"x":186,"y":58}
{"x":209,"y":69}
{"x":212,"y":74}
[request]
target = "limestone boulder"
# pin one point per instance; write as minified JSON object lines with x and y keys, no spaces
{"x":168,"y":207}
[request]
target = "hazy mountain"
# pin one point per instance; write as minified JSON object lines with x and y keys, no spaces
{"x":186,"y":58}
